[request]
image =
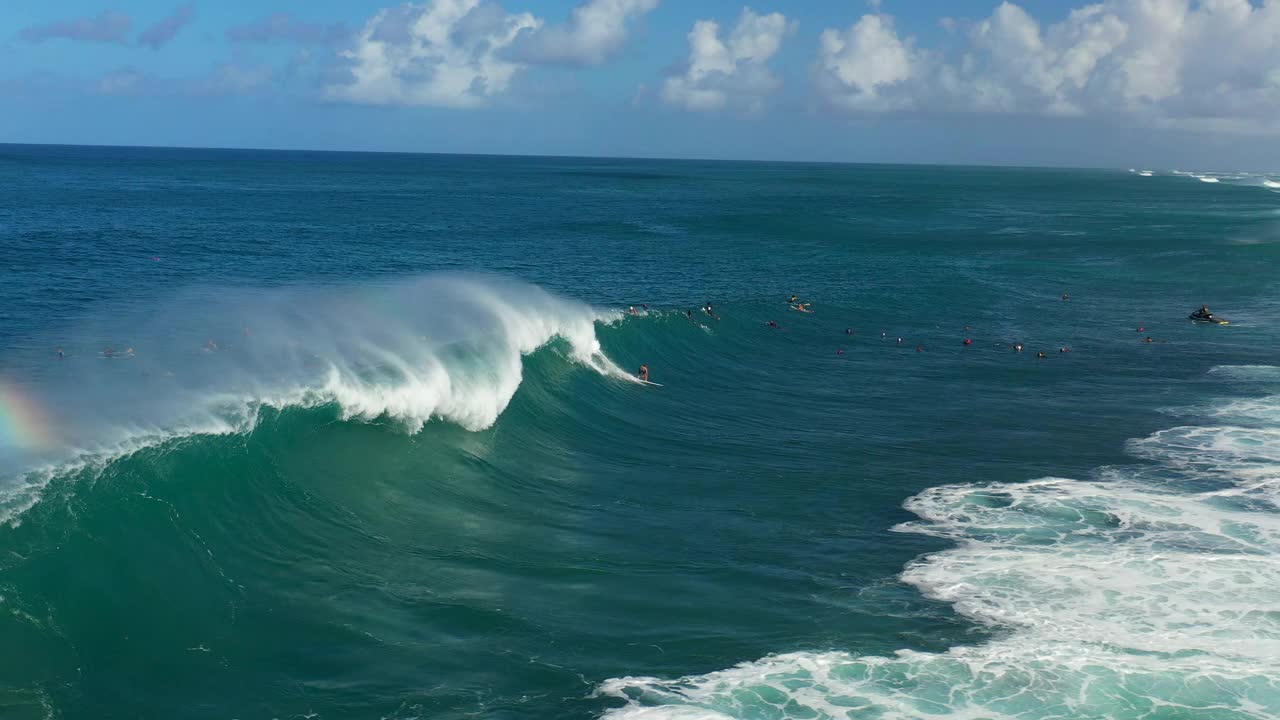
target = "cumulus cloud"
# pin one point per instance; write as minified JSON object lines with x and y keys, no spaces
{"x":856,"y":66}
{"x":463,"y":53}
{"x":446,"y":53}
{"x":596,"y":30}
{"x":109,"y":27}
{"x":285,"y":28}
{"x":168,"y":28}
{"x":1213,"y":63}
{"x":733,"y":72}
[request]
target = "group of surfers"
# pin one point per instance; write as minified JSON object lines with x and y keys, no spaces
{"x":1201,"y":315}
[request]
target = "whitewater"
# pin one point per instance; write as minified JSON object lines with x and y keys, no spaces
{"x":1148,"y":592}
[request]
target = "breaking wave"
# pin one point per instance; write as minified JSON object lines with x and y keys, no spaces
{"x":447,"y":347}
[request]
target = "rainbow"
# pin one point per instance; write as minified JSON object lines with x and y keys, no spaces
{"x":23,"y":423}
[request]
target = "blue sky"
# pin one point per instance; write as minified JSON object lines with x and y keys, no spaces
{"x":1122,"y":83}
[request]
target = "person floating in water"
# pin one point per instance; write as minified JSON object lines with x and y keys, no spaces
{"x":848,"y":331}
{"x":792,"y":300}
{"x":772,"y":324}
{"x":210,"y":345}
{"x":1066,"y":297}
{"x":1064,"y":350}
{"x":61,"y":355}
{"x":919,"y":348}
{"x":968,"y":342}
{"x":128,"y":352}
{"x":1041,"y":355}
{"x":840,"y":351}
{"x":1017,"y":347}
{"x":1148,"y":340}
{"x":643,"y":373}
{"x":108,"y":351}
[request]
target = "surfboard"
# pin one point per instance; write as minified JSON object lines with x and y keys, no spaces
{"x":646,"y":382}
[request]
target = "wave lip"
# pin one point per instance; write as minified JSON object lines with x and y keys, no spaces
{"x":1117,"y":599}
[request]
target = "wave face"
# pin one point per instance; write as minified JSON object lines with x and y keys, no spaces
{"x":1148,"y":593}
{"x":446,"y":347}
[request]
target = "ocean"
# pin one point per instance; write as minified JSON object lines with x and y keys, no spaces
{"x":330,"y":435}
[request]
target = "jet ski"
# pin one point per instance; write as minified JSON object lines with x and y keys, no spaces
{"x":1210,"y":318}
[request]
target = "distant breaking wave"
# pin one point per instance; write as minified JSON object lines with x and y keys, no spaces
{"x":446,"y":347}
{"x":1149,"y":592}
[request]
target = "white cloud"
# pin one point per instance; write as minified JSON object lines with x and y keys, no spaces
{"x":856,"y":65}
{"x":445,"y":53}
{"x":596,"y":30}
{"x":722,"y":73}
{"x":1164,"y":62}
{"x":463,"y":53}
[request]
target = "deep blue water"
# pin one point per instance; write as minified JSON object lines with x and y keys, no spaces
{"x":376,"y":452}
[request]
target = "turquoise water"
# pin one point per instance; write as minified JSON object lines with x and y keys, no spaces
{"x":377,"y":452}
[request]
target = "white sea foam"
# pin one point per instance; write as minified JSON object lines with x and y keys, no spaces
{"x":1152,"y":593}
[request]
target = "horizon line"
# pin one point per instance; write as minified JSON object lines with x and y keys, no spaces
{"x":565,"y":157}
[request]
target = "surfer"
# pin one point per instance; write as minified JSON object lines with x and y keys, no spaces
{"x":210,"y":345}
{"x":919,"y":348}
{"x":1066,"y":297}
{"x":631,"y":309}
{"x":61,"y":355}
{"x":1148,"y":340}
{"x":968,"y":342}
{"x":848,"y":331}
{"x":1041,"y":355}
{"x":772,"y":324}
{"x":108,"y":352}
{"x":643,"y":373}
{"x":792,"y":300}
{"x":1064,"y":350}
{"x":1017,"y":347}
